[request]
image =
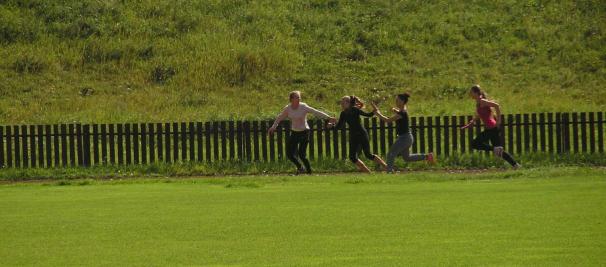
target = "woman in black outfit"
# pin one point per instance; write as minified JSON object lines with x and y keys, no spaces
{"x":405,"y":138}
{"x":358,"y":137}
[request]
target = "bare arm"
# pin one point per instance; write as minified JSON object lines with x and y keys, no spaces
{"x":496,"y":107}
{"x":280,"y":118}
{"x":385,"y":118}
{"x":319,"y":114}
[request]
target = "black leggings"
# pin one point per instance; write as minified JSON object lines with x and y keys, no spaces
{"x":296,"y":148}
{"x":494,"y":136}
{"x":358,"y":142}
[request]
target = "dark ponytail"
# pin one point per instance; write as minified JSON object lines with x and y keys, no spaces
{"x":476,"y":89}
{"x":355,"y":102}
{"x":404,"y":97}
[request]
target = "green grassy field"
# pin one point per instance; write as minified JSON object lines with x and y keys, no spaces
{"x":549,"y":216}
{"x":164,"y":60}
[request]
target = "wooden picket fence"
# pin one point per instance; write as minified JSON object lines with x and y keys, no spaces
{"x":61,"y":145}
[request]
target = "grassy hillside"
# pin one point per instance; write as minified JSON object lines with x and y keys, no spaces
{"x":116,"y":60}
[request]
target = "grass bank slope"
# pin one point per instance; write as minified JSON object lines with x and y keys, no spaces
{"x":109,"y":61}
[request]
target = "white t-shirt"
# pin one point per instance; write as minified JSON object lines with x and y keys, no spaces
{"x":298,"y":117}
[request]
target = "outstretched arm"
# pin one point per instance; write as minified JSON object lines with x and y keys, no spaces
{"x":319,"y":114}
{"x":366,"y":114}
{"x":383,"y":117}
{"x":280,"y":118}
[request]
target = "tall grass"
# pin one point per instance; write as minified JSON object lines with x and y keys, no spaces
{"x":203,"y":60}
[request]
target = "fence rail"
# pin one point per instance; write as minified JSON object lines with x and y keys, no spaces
{"x":61,"y":145}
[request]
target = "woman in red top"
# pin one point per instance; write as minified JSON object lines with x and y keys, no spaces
{"x":484,"y":108}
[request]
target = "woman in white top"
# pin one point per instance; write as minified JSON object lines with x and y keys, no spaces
{"x":296,"y":145}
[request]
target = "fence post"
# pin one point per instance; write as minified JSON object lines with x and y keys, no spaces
{"x":151,"y":136}
{"x":80,"y":144}
{"x":311,"y":155}
{"x":527,"y":140}
{"x":535,"y":140}
{"x":518,"y":133}
{"x":575,"y":132}
{"x":550,"y":127}
{"x":135,"y":133}
{"x":216,"y":140}
{"x":430,"y":134}
{"x":566,"y":132}
{"x":144,"y":142}
{"x":335,"y":142}
{"x":592,"y":143}
{"x":95,"y":148}
{"x":413,"y":129}
{"x":584,"y":132}
{"x":559,"y":132}
{"x":263,"y":133}
{"x":223,"y":128}
{"x":199,"y":135}
{"x":183,"y":140}
{"x":48,"y":146}
{"x":232,"y":144}
{"x":86,"y":145}
{"x":176,"y":136}
{"x":382,"y":140}
{"x":9,"y":147}
{"x":192,"y":141}
{"x":344,"y":146}
{"x":128,"y":146}
{"x":120,"y":151}
{"x":72,"y":144}
{"x":207,"y":140}
{"x":280,"y":141}
{"x":272,"y":143}
{"x":247,"y":141}
{"x":159,"y":143}
{"x":421,"y":130}
{"x":32,"y":146}
{"x":375,"y":144}
{"x":600,"y":132}
{"x":454,"y":129}
{"x":542,"y":131}
{"x":2,"y":165}
{"x":438,"y":132}
{"x":24,"y":150}
{"x":167,"y":140}
{"x":446,"y":142}
{"x":319,"y":131}
{"x":462,"y":134}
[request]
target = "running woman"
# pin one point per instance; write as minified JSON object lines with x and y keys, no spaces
{"x":358,"y":136}
{"x":405,"y":138}
{"x":484,"y":112}
{"x":296,"y":145}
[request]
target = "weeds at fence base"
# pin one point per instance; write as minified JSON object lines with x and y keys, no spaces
{"x":452,"y":163}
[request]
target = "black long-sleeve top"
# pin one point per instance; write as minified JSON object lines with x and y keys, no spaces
{"x":351,"y":116}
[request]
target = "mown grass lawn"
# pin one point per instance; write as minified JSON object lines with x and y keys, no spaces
{"x":551,"y":216}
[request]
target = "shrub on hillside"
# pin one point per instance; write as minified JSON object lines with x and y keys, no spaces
{"x":15,"y":26}
{"x":29,"y":64}
{"x":160,"y":74}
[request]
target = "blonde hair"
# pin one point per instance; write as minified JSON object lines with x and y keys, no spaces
{"x":292,"y":94}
